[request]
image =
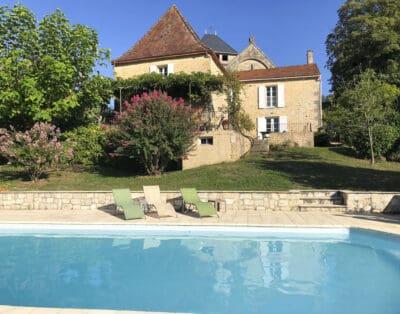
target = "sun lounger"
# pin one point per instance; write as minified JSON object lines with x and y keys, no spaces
{"x":123,"y":200}
{"x":192,"y":201}
{"x":154,"y":201}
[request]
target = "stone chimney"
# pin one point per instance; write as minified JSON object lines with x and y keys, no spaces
{"x":310,"y":56}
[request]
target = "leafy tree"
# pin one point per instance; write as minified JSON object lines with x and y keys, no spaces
{"x":367,"y":35}
{"x":47,"y":70}
{"x":153,"y":129}
{"x":37,"y":150}
{"x":364,"y":115}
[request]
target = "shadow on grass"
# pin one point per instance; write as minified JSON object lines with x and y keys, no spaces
{"x":9,"y":175}
{"x":320,"y":175}
{"x":345,"y":151}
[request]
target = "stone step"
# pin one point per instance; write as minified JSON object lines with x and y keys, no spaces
{"x":333,"y":200}
{"x":321,"y":194}
{"x":323,"y":208}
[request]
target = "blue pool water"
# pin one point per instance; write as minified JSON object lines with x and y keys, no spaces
{"x":201,"y":270}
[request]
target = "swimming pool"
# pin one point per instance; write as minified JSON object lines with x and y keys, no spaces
{"x":200,"y":269}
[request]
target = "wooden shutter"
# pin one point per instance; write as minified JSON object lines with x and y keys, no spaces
{"x":261,"y":126}
{"x":283,"y":126}
{"x":170,"y":68}
{"x":153,"y":68}
{"x":262,"y":97}
{"x":281,"y":95}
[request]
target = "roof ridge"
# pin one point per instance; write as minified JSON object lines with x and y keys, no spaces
{"x":189,"y":27}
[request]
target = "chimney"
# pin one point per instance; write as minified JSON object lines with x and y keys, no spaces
{"x":310,"y":56}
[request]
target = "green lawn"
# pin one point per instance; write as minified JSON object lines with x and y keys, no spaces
{"x":294,"y":168}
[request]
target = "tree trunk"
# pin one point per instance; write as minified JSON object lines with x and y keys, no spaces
{"x":371,"y":145}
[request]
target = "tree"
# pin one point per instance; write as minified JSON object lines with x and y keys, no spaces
{"x":364,"y":115}
{"x":47,"y":70}
{"x":154,"y":130}
{"x":367,"y":35}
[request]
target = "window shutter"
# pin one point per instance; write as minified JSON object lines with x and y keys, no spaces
{"x":261,"y":126}
{"x":153,"y":68}
{"x":283,"y":126}
{"x":170,"y":68}
{"x":281,"y":95}
{"x":262,"y":97}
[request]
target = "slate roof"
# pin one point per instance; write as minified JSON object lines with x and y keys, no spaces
{"x":217,"y":44}
{"x":305,"y":70}
{"x":171,"y":36}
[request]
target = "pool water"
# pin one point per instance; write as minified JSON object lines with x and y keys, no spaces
{"x":350,"y":271}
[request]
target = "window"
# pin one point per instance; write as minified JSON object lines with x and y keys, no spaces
{"x":163,"y":70}
{"x":224,"y":57}
{"x":272,"y":125}
{"x":206,"y":141}
{"x":271,"y":96}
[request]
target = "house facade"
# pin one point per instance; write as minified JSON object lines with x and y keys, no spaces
{"x":283,"y":102}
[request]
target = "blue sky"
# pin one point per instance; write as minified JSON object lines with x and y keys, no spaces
{"x":283,"y":29}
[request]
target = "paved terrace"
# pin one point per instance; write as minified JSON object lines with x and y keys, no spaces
{"x":379,"y":222}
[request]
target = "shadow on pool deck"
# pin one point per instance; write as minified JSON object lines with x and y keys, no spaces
{"x":392,"y":219}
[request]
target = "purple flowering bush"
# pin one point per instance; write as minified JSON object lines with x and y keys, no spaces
{"x":152,"y":129}
{"x":37,"y":150}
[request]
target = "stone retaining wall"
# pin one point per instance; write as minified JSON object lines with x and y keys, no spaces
{"x":225,"y":201}
{"x":371,"y":201}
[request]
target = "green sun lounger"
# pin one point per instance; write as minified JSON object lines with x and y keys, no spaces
{"x":192,"y":201}
{"x":123,"y":200}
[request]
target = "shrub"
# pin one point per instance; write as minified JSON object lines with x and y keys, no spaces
{"x":37,"y":150}
{"x":321,"y":138}
{"x":152,"y":129}
{"x":87,"y":143}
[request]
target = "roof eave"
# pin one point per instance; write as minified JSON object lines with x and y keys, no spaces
{"x":281,"y":78}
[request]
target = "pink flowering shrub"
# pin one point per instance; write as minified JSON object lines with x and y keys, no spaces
{"x":153,"y":129}
{"x":37,"y":150}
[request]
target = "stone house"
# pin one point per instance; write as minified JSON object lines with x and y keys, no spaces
{"x":284,"y":102}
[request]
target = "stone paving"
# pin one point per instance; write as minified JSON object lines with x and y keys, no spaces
{"x":379,"y":222}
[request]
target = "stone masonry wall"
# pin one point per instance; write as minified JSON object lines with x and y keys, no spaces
{"x":225,"y":201}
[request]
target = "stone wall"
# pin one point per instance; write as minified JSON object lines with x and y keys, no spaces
{"x":370,"y":201}
{"x":227,"y":146}
{"x":302,"y":139}
{"x":189,"y":64}
{"x":302,"y":105}
{"x":224,"y":200}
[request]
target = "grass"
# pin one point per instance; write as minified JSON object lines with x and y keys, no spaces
{"x":293,"y":168}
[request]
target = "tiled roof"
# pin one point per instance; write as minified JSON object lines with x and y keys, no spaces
{"x":304,"y":70}
{"x":172,"y":35}
{"x":217,"y":44}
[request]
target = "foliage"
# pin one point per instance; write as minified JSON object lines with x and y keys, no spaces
{"x":194,"y":88}
{"x":37,"y":150}
{"x":152,"y":129}
{"x":238,"y":118}
{"x":87,"y":143}
{"x":394,"y":152}
{"x":321,"y":138}
{"x":47,"y":70}
{"x":364,"y":115}
{"x":367,"y":35}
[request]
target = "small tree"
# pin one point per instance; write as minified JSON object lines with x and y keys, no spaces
{"x":365,"y":115}
{"x":153,"y":129}
{"x":37,"y":150}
